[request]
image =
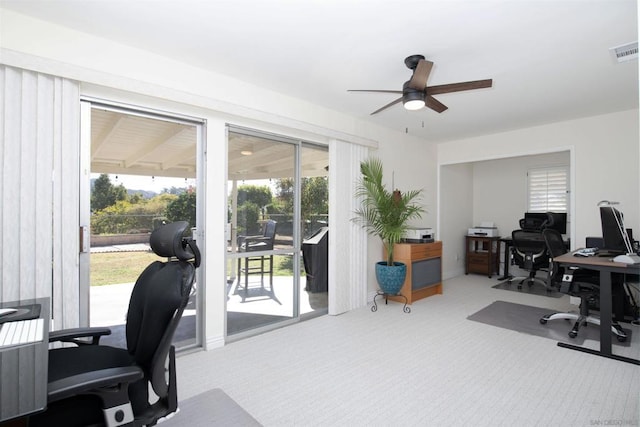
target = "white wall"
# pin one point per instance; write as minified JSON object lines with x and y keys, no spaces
{"x":456,"y":213}
{"x":408,"y":165}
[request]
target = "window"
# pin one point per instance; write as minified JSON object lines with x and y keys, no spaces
{"x":548,"y":189}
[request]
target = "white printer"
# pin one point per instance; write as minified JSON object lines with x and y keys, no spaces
{"x":485,"y":229}
{"x":418,"y":235}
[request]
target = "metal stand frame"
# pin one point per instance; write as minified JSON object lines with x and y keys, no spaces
{"x":374,"y":307}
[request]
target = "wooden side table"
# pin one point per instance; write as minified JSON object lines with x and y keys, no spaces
{"x":482,"y":255}
{"x":424,"y":270}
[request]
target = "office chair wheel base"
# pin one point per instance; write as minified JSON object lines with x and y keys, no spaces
{"x":620,"y":334}
{"x":573,"y":334}
{"x":543,"y":321}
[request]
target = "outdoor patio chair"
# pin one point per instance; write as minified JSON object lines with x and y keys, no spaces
{"x":256,"y":265}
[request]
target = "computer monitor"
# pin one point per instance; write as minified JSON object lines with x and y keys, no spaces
{"x":614,"y":235}
{"x":540,"y":220}
{"x":533,"y":221}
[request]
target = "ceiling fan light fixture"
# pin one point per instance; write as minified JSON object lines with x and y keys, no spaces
{"x":413,"y":100}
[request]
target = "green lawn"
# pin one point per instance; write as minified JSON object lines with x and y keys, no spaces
{"x":109,"y":268}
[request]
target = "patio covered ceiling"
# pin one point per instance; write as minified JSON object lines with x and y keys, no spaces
{"x":253,"y":157}
{"x":133,"y":145}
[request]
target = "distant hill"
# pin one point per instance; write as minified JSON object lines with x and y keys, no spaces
{"x":146,"y":194}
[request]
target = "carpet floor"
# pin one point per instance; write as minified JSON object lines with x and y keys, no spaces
{"x":534,"y":289}
{"x":186,"y":330}
{"x":211,"y":408}
{"x":526,"y":319}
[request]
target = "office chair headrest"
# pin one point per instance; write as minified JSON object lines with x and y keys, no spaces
{"x":168,"y":241}
{"x":550,"y":221}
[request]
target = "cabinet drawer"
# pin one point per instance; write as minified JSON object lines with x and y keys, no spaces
{"x":431,"y":250}
{"x":478,"y":259}
{"x":477,"y":268}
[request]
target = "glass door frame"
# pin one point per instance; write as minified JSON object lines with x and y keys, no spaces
{"x":296,"y":249}
{"x":86,"y":105}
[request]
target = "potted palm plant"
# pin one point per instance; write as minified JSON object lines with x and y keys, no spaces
{"x":385,"y":214}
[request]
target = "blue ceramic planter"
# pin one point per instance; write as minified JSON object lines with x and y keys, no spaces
{"x":390,"y":277}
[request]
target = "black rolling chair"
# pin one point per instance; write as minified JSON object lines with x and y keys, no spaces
{"x":96,"y":385}
{"x":579,"y":283}
{"x":260,"y":264}
{"x":530,"y":254}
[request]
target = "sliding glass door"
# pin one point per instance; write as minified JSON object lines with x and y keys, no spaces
{"x":143,"y":173}
{"x":266,"y":227}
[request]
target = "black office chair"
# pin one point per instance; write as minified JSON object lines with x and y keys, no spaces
{"x":260,"y":264}
{"x":580,"y":283}
{"x":95,"y":385}
{"x":530,"y":254}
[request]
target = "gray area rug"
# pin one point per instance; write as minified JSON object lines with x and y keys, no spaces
{"x":526,"y":319}
{"x":535,"y":289}
{"x":211,"y":408}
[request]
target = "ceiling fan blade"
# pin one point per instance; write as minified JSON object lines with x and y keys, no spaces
{"x":387,"y":106}
{"x":420,"y":75}
{"x":457,"y":87}
{"x":374,"y":90}
{"x":434,"y":104}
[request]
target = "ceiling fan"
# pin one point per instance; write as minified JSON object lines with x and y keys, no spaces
{"x":415,"y":92}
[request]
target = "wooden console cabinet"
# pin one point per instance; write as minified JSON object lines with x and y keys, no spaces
{"x":424,"y":270}
{"x":483,"y":255}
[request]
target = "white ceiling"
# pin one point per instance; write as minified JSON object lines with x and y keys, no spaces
{"x":549,"y":60}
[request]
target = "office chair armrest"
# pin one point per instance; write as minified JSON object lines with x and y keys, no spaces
{"x":75,"y":335}
{"x":88,"y":381}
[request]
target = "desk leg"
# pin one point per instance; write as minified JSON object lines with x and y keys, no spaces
{"x":605,"y":313}
{"x":507,"y":260}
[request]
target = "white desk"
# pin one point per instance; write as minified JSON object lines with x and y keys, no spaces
{"x":24,"y":370}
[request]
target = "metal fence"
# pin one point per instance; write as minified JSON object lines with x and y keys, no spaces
{"x":104,"y":223}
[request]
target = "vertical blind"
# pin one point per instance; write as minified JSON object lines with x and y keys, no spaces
{"x":39,"y":145}
{"x":548,"y":189}
{"x":348,"y":282}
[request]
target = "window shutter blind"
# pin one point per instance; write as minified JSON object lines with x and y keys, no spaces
{"x":548,"y":189}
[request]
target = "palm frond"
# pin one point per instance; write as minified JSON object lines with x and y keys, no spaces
{"x":381,"y":213}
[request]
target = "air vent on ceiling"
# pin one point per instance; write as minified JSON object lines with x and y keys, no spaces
{"x":626,"y":52}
